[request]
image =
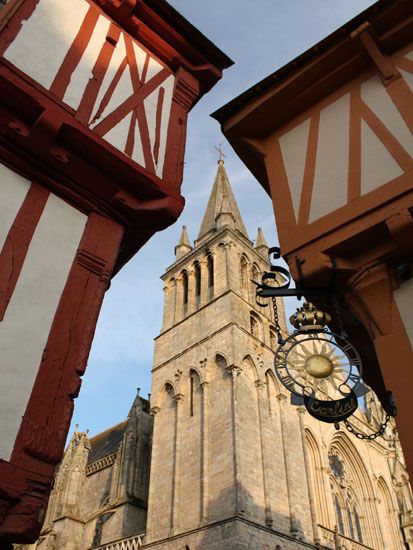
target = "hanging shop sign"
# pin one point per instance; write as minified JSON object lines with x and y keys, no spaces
{"x":321,"y":369}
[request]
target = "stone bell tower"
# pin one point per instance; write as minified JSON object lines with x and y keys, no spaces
{"x":227,"y":459}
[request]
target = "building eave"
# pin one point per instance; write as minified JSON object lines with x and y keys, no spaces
{"x":278,"y":98}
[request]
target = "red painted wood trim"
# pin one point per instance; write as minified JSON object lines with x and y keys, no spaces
{"x":40,"y":442}
{"x":394,"y":147}
{"x":159,"y":107}
{"x":75,"y":52}
{"x":130,"y":141}
{"x":405,"y":64}
{"x":88,"y":100}
{"x":130,"y":103}
{"x":354,"y":168}
{"x":17,"y":243}
{"x":140,"y":112}
{"x":402,"y":97}
{"x":109,"y":92}
{"x":186,"y":89}
{"x":47,"y":417}
{"x":278,"y":183}
{"x":309,"y":170}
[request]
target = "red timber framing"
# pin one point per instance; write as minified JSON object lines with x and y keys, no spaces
{"x":64,"y":150}
{"x":360,"y":214}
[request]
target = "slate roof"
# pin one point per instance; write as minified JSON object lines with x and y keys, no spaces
{"x":221,"y":200}
{"x":109,"y":441}
{"x":106,"y":442}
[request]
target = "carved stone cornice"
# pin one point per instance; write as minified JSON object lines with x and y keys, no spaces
{"x":179,"y":398}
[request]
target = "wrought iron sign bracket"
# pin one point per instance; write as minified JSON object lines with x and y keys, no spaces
{"x":321,"y":369}
{"x":267,"y":290}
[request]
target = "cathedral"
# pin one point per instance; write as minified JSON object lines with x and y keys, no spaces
{"x":219,"y":458}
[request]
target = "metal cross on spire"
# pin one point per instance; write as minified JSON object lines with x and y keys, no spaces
{"x":219,"y":149}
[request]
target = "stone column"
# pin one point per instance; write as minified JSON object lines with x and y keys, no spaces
{"x":169,"y":306}
{"x":205,"y":453}
{"x":191,"y":291}
{"x":239,"y":497}
{"x":288,"y":467}
{"x":221,"y":268}
{"x":301,"y":411}
{"x":176,"y":496}
{"x":204,"y":282}
{"x":233,"y":280}
{"x":179,"y":297}
{"x":266,"y":459}
{"x":151,"y":496}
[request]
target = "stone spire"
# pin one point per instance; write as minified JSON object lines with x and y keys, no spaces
{"x":222,"y":208}
{"x":261,"y":245}
{"x":184,"y":246}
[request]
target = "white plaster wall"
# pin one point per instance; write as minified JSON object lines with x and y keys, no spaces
{"x":377,"y":164}
{"x":331,"y":170}
{"x":83,"y":72}
{"x":13,"y":190}
{"x":374,"y":94}
{"x":40,"y":47}
{"x":29,"y":316}
{"x":404,"y":301}
{"x":294,"y":151}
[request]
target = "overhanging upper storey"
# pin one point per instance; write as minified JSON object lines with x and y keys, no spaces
{"x":330,"y":133}
{"x":99,"y":91}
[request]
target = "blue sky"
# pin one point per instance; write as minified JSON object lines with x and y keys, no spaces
{"x":260,"y":36}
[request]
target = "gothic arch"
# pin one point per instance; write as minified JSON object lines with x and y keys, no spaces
{"x":317,"y":477}
{"x":244,"y":275}
{"x":273,"y":390}
{"x":353,"y":461}
{"x":196,"y":371}
{"x":221,"y":361}
{"x":210,"y":272}
{"x":248,"y":361}
{"x":390,"y":529}
{"x":185,"y":288}
{"x":273,"y":338}
{"x":256,"y":326}
{"x":198,"y":280}
{"x":356,"y":480}
{"x":255,"y":276}
{"x":168,"y":391}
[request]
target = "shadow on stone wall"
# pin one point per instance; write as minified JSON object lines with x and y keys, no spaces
{"x":249,"y":528}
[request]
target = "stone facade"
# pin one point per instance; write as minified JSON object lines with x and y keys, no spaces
{"x":233,"y":464}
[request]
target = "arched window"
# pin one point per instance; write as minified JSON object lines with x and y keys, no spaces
{"x":191,"y":396}
{"x":255,"y":275}
{"x":358,"y":525}
{"x":244,"y":275}
{"x":254,"y":326}
{"x":339,"y":515}
{"x":197,"y":282}
{"x":273,"y":339}
{"x":210,"y":265}
{"x":350,"y":522}
{"x":185,"y":288}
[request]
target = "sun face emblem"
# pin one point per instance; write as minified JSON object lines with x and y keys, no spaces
{"x":321,"y":366}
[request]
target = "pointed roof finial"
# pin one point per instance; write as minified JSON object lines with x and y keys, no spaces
{"x":221,"y":154}
{"x":261,"y":245}
{"x":183,"y":246}
{"x":221,"y":201}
